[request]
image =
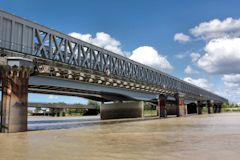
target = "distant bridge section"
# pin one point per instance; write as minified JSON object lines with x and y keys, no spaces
{"x":61,"y":106}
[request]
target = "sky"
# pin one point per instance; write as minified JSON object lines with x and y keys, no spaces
{"x":197,"y":41}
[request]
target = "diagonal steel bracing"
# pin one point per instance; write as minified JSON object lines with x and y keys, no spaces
{"x":31,"y":39}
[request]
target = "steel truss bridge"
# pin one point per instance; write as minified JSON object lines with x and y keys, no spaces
{"x":68,"y":66}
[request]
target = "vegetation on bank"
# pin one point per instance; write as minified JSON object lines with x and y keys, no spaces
{"x":73,"y":109}
{"x":149,"y":110}
{"x":226,"y":108}
{"x":231,"y":108}
{"x":82,"y":112}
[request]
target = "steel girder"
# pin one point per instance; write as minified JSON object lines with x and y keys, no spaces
{"x":29,"y":38}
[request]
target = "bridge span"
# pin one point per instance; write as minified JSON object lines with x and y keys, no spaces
{"x":37,"y":59}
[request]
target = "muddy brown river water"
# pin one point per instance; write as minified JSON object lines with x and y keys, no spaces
{"x":203,"y":137}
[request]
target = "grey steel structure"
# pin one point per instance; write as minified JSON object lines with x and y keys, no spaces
{"x":45,"y":46}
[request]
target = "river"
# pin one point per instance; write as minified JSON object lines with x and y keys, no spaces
{"x":198,"y":137}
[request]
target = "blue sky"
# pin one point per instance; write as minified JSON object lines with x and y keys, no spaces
{"x":150,"y":25}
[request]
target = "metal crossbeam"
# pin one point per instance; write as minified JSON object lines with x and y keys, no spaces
{"x":26,"y":37}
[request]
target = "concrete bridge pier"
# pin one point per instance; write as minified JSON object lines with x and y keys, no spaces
{"x":210,"y":107}
{"x":116,"y":110}
{"x":199,"y":107}
{"x":215,"y":108}
{"x":219,"y":108}
{"x":14,"y":100}
{"x":162,"y":111}
{"x":180,"y":109}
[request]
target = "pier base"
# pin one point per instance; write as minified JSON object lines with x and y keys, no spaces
{"x":162,"y":110}
{"x":210,"y":107}
{"x":219,"y":108}
{"x":122,"y":110}
{"x":199,"y":107}
{"x":180,"y":106}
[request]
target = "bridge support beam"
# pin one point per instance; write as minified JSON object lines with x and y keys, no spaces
{"x":180,"y":107}
{"x":58,"y":112}
{"x":14,"y":100}
{"x":161,"y":110}
{"x":210,"y":107}
{"x":122,"y":110}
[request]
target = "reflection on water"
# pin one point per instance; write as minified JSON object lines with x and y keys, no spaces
{"x":213,"y":136}
{"x":46,"y":123}
{"x":62,"y":120}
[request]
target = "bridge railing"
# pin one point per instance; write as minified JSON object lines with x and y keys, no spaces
{"x":27,"y":37}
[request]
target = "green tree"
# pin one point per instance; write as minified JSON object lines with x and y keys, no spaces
{"x":94,"y":103}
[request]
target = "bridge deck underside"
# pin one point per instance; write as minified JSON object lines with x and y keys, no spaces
{"x":48,"y":85}
{"x":59,"y":86}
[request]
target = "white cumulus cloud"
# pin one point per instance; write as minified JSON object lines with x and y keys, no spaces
{"x":102,"y":40}
{"x":234,"y":78}
{"x":200,"y":82}
{"x":195,"y":56}
{"x":190,"y":70}
{"x":149,"y":56}
{"x":232,"y":87}
{"x":216,"y":28}
{"x":221,"y":56}
{"x":231,"y":80}
{"x":182,"y":38}
{"x":181,"y":55}
{"x":145,"y":54}
{"x":52,"y":97}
